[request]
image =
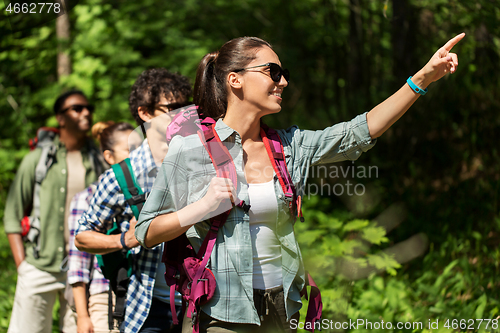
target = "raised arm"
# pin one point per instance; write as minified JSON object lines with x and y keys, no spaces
{"x":381,"y":117}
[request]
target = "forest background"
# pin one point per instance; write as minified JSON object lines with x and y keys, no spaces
{"x":422,"y":242}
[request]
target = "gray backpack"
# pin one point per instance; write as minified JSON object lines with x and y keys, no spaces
{"x":45,"y":141}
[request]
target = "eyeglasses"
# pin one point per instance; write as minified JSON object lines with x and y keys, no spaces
{"x":79,"y":108}
{"x":275,"y":71}
{"x":171,"y":106}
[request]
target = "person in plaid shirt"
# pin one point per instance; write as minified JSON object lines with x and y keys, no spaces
{"x":155,"y":94}
{"x":92,"y":313}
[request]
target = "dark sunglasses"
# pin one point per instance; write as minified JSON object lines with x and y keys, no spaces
{"x":79,"y":108}
{"x":275,"y":71}
{"x":172,"y":106}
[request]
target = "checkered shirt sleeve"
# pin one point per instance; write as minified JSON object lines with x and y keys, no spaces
{"x":79,"y":261}
{"x":109,"y":203}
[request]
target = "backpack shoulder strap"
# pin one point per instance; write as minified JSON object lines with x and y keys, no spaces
{"x":44,"y":141}
{"x":274,"y":148}
{"x":220,"y":156}
{"x":133,"y":193}
{"x":224,"y":167}
{"x":184,"y":123}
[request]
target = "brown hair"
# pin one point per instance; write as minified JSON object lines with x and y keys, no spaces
{"x":210,"y":88}
{"x":104,"y":132}
{"x":151,"y":85}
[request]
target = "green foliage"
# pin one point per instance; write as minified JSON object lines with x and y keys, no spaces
{"x":441,"y":159}
{"x":462,"y":289}
{"x":328,"y":240}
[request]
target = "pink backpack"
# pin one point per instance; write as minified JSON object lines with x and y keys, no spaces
{"x":186,"y":270}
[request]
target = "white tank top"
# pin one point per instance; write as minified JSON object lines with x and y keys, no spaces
{"x":265,"y":245}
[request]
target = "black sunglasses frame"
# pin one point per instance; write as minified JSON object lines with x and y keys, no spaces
{"x":79,"y":108}
{"x":172,"y":106}
{"x":275,"y":71}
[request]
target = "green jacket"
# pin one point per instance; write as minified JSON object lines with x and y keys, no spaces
{"x":52,"y":204}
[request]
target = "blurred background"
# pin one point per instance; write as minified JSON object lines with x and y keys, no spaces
{"x":422,"y":242}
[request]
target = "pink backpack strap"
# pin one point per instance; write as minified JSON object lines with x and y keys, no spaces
{"x":225,"y":168}
{"x":220,"y":156}
{"x":187,"y":123}
{"x":198,"y":286}
{"x":184,"y":123}
{"x":175,"y":320}
{"x":315,"y":307}
{"x":274,"y":148}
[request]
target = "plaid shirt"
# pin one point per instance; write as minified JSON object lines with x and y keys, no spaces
{"x":79,"y":262}
{"x":184,"y":178}
{"x":109,"y":203}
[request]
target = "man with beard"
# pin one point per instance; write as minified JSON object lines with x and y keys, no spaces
{"x":70,"y":165}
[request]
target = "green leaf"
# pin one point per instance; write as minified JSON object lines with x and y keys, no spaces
{"x":481,"y":306}
{"x":355,"y":225}
{"x":375,"y":235}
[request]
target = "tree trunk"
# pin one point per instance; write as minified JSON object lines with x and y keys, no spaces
{"x":356,"y":41}
{"x":403,"y":38}
{"x":63,"y":34}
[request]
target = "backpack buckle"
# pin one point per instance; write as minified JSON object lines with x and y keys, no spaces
{"x":278,"y":155}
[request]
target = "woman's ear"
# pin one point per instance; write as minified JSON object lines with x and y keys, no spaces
{"x":108,"y":156}
{"x":234,"y":80}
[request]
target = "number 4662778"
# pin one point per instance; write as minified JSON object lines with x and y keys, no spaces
{"x":34,"y":8}
{"x":471,"y":324}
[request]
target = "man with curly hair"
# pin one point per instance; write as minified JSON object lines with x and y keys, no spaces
{"x":155,"y":95}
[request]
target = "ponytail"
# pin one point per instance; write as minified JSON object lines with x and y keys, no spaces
{"x":98,"y":130}
{"x":211,"y":101}
{"x":104,"y":132}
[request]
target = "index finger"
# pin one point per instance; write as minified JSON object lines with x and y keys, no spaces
{"x":229,"y":183}
{"x":452,"y":42}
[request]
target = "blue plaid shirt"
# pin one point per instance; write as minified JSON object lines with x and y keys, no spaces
{"x":184,"y":178}
{"x":109,"y":203}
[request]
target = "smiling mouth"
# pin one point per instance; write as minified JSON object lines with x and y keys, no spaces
{"x":277,"y":94}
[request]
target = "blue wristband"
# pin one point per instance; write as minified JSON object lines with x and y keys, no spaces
{"x":415,"y":88}
{"x":122,"y":241}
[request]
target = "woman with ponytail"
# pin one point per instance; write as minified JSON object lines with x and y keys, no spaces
{"x":256,"y":260}
{"x":89,"y":287}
